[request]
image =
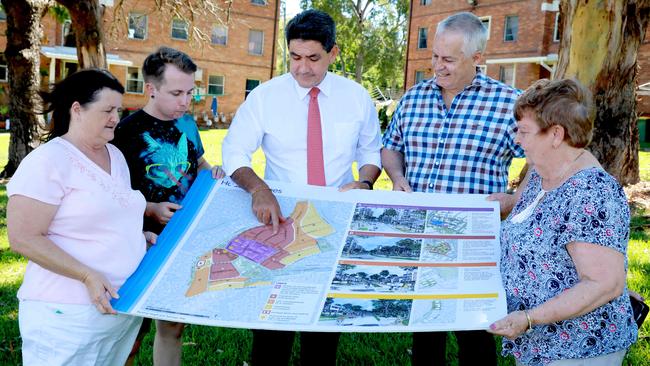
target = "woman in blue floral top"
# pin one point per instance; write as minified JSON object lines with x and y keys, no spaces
{"x":564,"y":244}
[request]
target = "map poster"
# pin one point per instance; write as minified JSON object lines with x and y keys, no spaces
{"x":356,"y":261}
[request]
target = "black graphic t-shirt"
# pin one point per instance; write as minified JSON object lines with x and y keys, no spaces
{"x":162,"y":156}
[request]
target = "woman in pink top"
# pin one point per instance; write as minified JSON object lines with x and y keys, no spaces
{"x":73,"y":214}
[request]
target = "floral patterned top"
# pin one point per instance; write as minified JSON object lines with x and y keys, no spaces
{"x":536,"y":266}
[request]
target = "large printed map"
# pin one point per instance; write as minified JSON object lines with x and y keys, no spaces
{"x":230,"y":267}
{"x":352,"y":261}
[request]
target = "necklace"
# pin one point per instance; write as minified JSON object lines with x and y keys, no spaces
{"x":566,"y":170}
{"x":525,"y":213}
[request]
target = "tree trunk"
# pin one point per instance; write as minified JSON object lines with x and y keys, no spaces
{"x":599,"y":45}
{"x":24,"y":34}
{"x":86,"y":24}
{"x":358,"y":67}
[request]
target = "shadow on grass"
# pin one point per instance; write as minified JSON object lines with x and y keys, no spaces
{"x":639,"y":224}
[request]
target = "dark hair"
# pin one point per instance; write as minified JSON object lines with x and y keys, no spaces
{"x":564,"y":103}
{"x":313,"y":25}
{"x":81,"y":86}
{"x":154,"y":65}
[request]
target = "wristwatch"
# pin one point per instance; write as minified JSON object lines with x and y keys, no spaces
{"x":369,"y":183}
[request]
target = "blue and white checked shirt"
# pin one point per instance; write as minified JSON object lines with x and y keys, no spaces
{"x":466,"y":149}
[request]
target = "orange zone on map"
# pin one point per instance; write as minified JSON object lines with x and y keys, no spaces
{"x":215,"y":270}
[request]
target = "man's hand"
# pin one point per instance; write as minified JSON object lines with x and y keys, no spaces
{"x":353,"y":185}
{"x":506,"y":201}
{"x":161,"y":211}
{"x":100,"y":291}
{"x":267,"y":209}
{"x":217,"y":172}
{"x":401,"y":184}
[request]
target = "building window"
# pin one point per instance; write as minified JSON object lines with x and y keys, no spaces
{"x":422,"y":37}
{"x":511,"y":28}
{"x":134,"y":80}
{"x":419,"y":76}
{"x":425,"y":2}
{"x":67,"y":35}
{"x":215,"y":85}
{"x":258,"y":2}
{"x":69,"y":68}
{"x":3,"y":68}
{"x":486,"y":23}
{"x":179,"y":29}
{"x":219,"y":35}
{"x":250,"y":85}
{"x":255,"y":42}
{"x":556,"y":30}
{"x":507,"y":74}
{"x":137,"y":26}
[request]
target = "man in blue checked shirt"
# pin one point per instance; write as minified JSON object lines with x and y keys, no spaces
{"x":454,"y":133}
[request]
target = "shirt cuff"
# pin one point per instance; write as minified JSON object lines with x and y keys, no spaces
{"x":233,"y":163}
{"x":372,"y":159}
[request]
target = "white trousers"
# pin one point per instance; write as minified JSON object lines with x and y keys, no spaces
{"x":67,"y":334}
{"x":611,"y":359}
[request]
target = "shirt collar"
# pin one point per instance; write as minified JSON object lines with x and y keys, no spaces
{"x":325,"y":86}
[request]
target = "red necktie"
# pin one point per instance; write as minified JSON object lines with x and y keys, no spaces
{"x":315,"y":164}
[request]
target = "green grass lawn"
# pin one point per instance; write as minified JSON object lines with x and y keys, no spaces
{"x":223,"y":346}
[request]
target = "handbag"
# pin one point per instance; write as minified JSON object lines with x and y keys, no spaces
{"x":639,"y":311}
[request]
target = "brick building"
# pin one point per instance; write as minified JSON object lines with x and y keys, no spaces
{"x":522,"y":45}
{"x":240,"y":54}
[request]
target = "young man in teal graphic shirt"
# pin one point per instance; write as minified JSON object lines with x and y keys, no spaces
{"x":164,"y":152}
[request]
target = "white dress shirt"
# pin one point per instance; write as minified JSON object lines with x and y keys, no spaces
{"x":274,"y":116}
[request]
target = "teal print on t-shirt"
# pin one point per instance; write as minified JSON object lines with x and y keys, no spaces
{"x":167,"y":164}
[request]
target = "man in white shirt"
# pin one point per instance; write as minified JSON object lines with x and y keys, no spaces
{"x":278,"y":115}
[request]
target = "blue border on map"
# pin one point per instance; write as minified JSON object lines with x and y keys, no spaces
{"x":167,"y":241}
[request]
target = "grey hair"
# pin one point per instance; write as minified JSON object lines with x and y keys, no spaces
{"x":470,"y":26}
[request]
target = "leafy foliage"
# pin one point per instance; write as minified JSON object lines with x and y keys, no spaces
{"x":372,"y":37}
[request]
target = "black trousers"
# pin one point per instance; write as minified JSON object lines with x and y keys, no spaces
{"x":271,"y":347}
{"x":475,"y":347}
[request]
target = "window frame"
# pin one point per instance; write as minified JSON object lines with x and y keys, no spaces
{"x":425,"y":2}
{"x":140,"y":79}
{"x":489,"y":24}
{"x":426,"y":38}
{"x":4,"y":65}
{"x":187,"y":30}
{"x":146,"y":25}
{"x":250,"y":52}
{"x":64,"y":69}
{"x":556,"y":29}
{"x":423,"y":73}
{"x":246,"y":90}
{"x":214,"y":27}
{"x":259,"y":2}
{"x":223,"y":85}
{"x":502,"y":70}
{"x":515,"y":35}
